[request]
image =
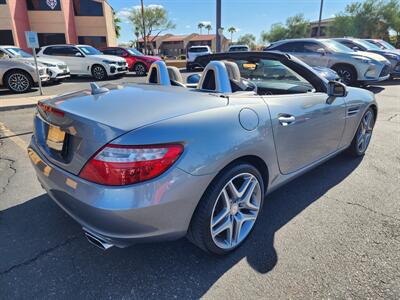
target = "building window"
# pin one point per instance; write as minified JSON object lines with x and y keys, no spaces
{"x":95,"y":41}
{"x":43,"y":4}
{"x":6,"y":37}
{"x":3,"y":2}
{"x":51,"y":38}
{"x":88,"y":8}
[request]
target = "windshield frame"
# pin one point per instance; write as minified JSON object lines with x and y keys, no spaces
{"x":367,"y":45}
{"x":336,"y":46}
{"x":82,"y":50}
{"x":387,"y":45}
{"x":9,"y":51}
{"x":134,"y":51}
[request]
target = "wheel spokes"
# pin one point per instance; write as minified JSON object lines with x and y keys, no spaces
{"x":235,"y":210}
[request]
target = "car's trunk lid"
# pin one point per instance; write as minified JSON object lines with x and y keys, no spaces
{"x":88,"y":122}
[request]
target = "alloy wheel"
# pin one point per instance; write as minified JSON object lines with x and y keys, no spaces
{"x":235,"y":211}
{"x":345,"y":75}
{"x":98,"y":72}
{"x":365,"y":131}
{"x":18,"y":82}
{"x":140,"y":69}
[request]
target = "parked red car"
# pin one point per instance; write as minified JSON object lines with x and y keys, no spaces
{"x":137,"y":61}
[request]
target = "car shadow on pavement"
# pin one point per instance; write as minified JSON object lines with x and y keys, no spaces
{"x":44,"y":252}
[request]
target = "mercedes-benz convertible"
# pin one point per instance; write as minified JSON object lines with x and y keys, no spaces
{"x":166,"y":159}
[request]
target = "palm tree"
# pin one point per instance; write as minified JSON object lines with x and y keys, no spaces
{"x":200,"y":26}
{"x":231,"y":30}
{"x":208,"y":27}
{"x":117,"y":25}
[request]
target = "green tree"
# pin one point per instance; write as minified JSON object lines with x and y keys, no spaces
{"x":295,"y":27}
{"x":200,"y":26}
{"x":390,"y":13}
{"x":208,"y":27}
{"x":155,"y":21}
{"x":278,"y":32}
{"x":231,"y":30}
{"x":366,"y":19}
{"x":247,"y":39}
{"x":117,"y":26}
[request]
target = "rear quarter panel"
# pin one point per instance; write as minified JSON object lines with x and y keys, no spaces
{"x":213,"y":138}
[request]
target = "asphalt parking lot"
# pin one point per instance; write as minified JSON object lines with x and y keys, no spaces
{"x":332,"y":233}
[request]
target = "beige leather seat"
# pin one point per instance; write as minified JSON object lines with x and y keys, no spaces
{"x":224,"y":77}
{"x":158,"y":74}
{"x":175,"y":76}
{"x":238,"y":84}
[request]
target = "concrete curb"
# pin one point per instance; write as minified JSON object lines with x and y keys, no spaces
{"x":14,"y":107}
{"x":20,"y":103}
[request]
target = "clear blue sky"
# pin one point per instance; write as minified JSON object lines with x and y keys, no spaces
{"x":250,"y":16}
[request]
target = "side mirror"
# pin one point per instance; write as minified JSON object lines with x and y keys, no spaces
{"x":336,"y":89}
{"x":124,"y":54}
{"x":321,"y":51}
{"x":78,"y":54}
{"x":193,"y":79}
{"x":355,"y":48}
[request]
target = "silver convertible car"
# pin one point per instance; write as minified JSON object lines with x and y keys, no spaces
{"x":163,"y":160}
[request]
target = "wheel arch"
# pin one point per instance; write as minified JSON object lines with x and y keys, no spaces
{"x":346,"y":65}
{"x":375,"y":109}
{"x":253,"y":160}
{"x":15,"y":69}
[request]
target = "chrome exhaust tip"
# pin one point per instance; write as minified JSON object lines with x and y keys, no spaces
{"x":98,"y":242}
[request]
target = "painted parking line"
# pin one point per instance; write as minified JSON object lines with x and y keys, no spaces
{"x":5,"y":132}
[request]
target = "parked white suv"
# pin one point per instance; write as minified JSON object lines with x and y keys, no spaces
{"x":56,"y":69}
{"x":194,"y":52}
{"x":352,"y":66}
{"x":238,"y":48}
{"x":86,"y":60}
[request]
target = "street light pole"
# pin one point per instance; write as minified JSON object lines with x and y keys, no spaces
{"x":144,"y":29}
{"x":319,"y":20}
{"x":218,"y":37}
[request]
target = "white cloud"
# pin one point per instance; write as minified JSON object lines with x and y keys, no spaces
{"x":124,"y":13}
{"x":155,"y":6}
{"x":188,"y":26}
{"x":205,"y":22}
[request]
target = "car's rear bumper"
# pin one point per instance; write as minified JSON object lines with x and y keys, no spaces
{"x":159,"y":209}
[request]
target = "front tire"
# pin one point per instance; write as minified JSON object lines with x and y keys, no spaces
{"x":18,"y":81}
{"x":228,"y":210}
{"x":361,"y":139}
{"x":346,"y":73}
{"x":140,"y":69}
{"x":99,"y":73}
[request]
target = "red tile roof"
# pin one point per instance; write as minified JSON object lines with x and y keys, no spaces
{"x":203,"y":37}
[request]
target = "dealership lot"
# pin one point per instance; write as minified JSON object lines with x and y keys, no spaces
{"x":332,"y":233}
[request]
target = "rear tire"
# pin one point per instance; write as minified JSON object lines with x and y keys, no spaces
{"x":18,"y":81}
{"x":346,"y":73}
{"x":223,"y":208}
{"x":99,"y":73}
{"x":360,"y":142}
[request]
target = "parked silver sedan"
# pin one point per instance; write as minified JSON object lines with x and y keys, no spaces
{"x":352,"y":66}
{"x":159,"y":161}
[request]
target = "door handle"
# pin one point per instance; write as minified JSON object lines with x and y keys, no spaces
{"x":286,"y":120}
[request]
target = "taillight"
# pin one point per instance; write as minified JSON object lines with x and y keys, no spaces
{"x":50,"y":109}
{"x":122,"y":165}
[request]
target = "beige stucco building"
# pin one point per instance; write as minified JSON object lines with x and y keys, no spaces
{"x":57,"y":22}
